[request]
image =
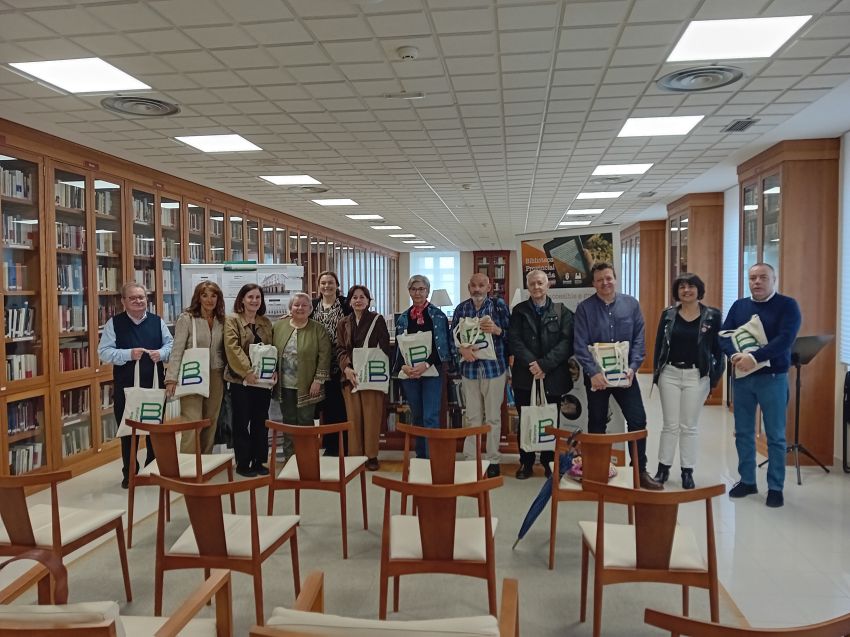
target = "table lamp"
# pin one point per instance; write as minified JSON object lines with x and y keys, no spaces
{"x":440,"y":298}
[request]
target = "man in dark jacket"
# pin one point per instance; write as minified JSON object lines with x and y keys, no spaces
{"x":541,"y":341}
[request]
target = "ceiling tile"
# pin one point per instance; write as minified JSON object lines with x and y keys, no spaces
{"x":191,"y":13}
{"x":290,"y":32}
{"x":595,"y":13}
{"x":339,"y":28}
{"x":463,"y":21}
{"x":399,"y":24}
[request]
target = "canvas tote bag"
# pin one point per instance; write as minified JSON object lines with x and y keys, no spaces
{"x":142,"y":404}
{"x":468,"y":332}
{"x":194,"y":375}
{"x":415,"y":348}
{"x":747,"y":338}
{"x":535,"y":418}
{"x":613,"y":361}
{"x":263,"y":363}
{"x":371,"y":365}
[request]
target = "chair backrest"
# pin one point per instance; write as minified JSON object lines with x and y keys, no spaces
{"x":597,"y":451}
{"x":656,"y":515}
{"x":436,"y":506}
{"x":838,"y":627}
{"x":206,"y":514}
{"x":15,"y":513}
{"x":307,"y":441}
{"x":164,"y":440}
{"x":442,"y":449}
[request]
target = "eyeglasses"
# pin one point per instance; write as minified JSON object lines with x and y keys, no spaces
{"x":135,"y":298}
{"x":420,"y":290}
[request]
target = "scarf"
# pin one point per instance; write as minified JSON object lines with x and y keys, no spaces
{"x":416,"y":313}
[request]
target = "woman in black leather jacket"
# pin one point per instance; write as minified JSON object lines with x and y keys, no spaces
{"x":687,"y":364}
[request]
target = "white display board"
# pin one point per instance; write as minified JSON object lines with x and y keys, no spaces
{"x":278,"y":280}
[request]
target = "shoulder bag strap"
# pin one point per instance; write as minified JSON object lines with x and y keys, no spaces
{"x":369,"y":333}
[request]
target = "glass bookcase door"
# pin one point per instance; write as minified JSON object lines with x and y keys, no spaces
{"x":771,"y":198}
{"x":170,"y":219}
{"x":268,"y":245}
{"x":108,"y":216}
{"x":332,"y":265}
{"x":253,"y":240}
{"x":280,"y":245}
{"x":749,"y":232}
{"x":20,"y":292}
{"x":237,"y":238}
{"x":75,"y":414}
{"x":72,"y":270}
{"x":294,"y":254}
{"x":197,"y":217}
{"x":108,"y":426}
{"x":216,"y":235}
{"x":500,"y":276}
{"x":144,"y":243}
{"x":25,"y":429}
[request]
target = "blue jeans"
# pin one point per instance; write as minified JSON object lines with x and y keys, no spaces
{"x":770,"y":392}
{"x":631,"y":404}
{"x":424,"y":396}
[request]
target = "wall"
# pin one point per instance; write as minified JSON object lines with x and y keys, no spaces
{"x":731,"y":237}
{"x":844,"y":281}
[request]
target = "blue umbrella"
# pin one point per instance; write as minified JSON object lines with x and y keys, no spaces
{"x":539,"y":503}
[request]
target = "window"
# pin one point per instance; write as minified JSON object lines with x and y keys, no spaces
{"x":443,"y":270}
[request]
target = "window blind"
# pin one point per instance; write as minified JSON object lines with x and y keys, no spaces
{"x":843,"y":249}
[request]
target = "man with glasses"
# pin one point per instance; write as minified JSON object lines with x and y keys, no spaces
{"x":134,"y":337}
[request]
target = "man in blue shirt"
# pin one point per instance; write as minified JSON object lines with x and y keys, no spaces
{"x":609,"y":317}
{"x":134,"y":337}
{"x":483,"y":381}
{"x":766,"y":387}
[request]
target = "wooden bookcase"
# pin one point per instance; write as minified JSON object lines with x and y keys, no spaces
{"x":496,"y":265}
{"x":77,"y":224}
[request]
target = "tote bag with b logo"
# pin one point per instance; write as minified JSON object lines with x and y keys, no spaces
{"x":415,"y":348}
{"x":747,"y":338}
{"x":613,"y":361}
{"x":535,"y":418}
{"x":467,"y":333}
{"x":371,"y":365}
{"x":263,"y":363}
{"x":143,"y":404}
{"x":194,"y":375}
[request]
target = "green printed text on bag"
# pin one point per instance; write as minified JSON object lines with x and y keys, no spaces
{"x":376,"y":372}
{"x":267,"y":368}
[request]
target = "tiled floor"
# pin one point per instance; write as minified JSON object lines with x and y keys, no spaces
{"x":780,"y":566}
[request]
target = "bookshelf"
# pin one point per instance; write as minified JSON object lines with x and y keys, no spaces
{"x":105,"y":416}
{"x":494,"y":264}
{"x":109,"y":246}
{"x":145,"y":257}
{"x":253,"y":240}
{"x":197,"y":220}
{"x":25,"y":443}
{"x":75,"y":417}
{"x":268,"y":245}
{"x":236,"y":226}
{"x":280,"y":245}
{"x":171,"y":258}
{"x":216,"y":236}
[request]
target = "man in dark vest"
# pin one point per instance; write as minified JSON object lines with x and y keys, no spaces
{"x":134,"y":337}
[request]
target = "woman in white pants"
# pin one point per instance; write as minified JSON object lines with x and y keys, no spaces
{"x":687,"y":364}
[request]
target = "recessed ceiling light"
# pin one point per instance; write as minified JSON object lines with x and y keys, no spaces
{"x":335,"y":202}
{"x":585,"y":211}
{"x":402,"y":236}
{"x":739,"y":38}
{"x":613,"y":194}
{"x":404,"y":95}
{"x":290,"y":180}
{"x":237,"y":219}
{"x":423,"y":247}
{"x":650,"y":126}
{"x":365,"y":217}
{"x":772,"y":191}
{"x":622,"y":169}
{"x":81,"y":75}
{"x":415,"y":241}
{"x":386,"y":227}
{"x":218,"y":143}
{"x":751,"y":206}
{"x":575,"y":223}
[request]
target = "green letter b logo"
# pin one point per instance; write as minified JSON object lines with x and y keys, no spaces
{"x":267,"y":366}
{"x":418,"y":354}
{"x":376,"y":372}
{"x":542,"y":436}
{"x":150,"y":412}
{"x":190,"y":373}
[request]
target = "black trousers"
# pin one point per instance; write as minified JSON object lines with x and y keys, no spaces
{"x":332,"y":410}
{"x":119,"y":401}
{"x":250,"y":407}
{"x":522,"y":398}
{"x":631,"y":404}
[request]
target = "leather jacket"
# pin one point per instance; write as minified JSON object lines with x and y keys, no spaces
{"x":547,"y":340}
{"x":710,"y":359}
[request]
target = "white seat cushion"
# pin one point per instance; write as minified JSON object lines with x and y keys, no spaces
{"x":335,"y":626}
{"x":52,"y":616}
{"x":135,"y":626}
{"x":237,"y":529}
{"x":620,"y":549}
{"x":328,"y":468}
{"x":624,"y":479}
{"x":470,"y":545}
{"x":74,"y":523}
{"x":420,"y":471}
{"x":209,"y":461}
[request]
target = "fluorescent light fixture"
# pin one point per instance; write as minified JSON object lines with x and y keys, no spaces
{"x":402,"y":236}
{"x":219,"y":143}
{"x":336,"y":202}
{"x":585,"y":211}
{"x":600,"y":195}
{"x":169,"y":204}
{"x":735,"y":39}
{"x":302,"y":236}
{"x":622,"y":169}
{"x":290,"y":180}
{"x":365,"y":217}
{"x":7,"y":158}
{"x":386,"y":227}
{"x":772,"y":191}
{"x":107,"y":232}
{"x":216,"y":218}
{"x":81,"y":75}
{"x":674,"y":230}
{"x":25,"y":222}
{"x":423,"y":247}
{"x":652,"y":126}
{"x":415,"y":241}
{"x":236,"y":219}
{"x":751,"y":206}
{"x":575,"y":223}
{"x":99,"y":184}
{"x":216,"y":249}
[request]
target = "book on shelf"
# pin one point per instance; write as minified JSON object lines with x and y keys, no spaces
{"x":70,"y":237}
{"x":69,"y":278}
{"x":76,"y":438}
{"x":68,"y":195}
{"x":22,"y":415}
{"x":73,"y":318}
{"x":170,"y":217}
{"x":196,"y":221}
{"x":108,"y":279}
{"x":143,"y":210}
{"x":105,"y":203}
{"x":147,"y":278}
{"x":74,"y":402}
{"x":16,"y":183}
{"x":216,"y":228}
{"x":104,"y":243}
{"x":19,"y":230}
{"x":107,"y":395}
{"x":25,"y":457}
{"x":21,"y":366}
{"x":109,"y":427}
{"x":107,"y":311}
{"x":73,"y":356}
{"x":143,"y":246}
{"x":15,"y":276}
{"x":20,"y":321}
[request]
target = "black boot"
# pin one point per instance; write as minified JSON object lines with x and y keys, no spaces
{"x":663,"y":473}
{"x":688,"y":479}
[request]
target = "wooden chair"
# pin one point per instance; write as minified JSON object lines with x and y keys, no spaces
{"x":101,"y":619}
{"x":194,"y":467}
{"x":654,"y":549}
{"x":308,"y":469}
{"x":596,"y":454}
{"x":308,"y":613}
{"x":215,"y":539}
{"x":436,"y":540}
{"x":59,"y":529}
{"x":676,"y":624}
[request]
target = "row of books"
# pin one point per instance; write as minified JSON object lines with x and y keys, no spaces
{"x":146,"y":278}
{"x":21,"y":366}
{"x":170,"y":249}
{"x":196,"y":253}
{"x":76,"y":438}
{"x":70,"y":237}
{"x":70,"y":278}
{"x":216,"y":228}
{"x":23,"y":458}
{"x":23,"y":415}
{"x":143,"y":246}
{"x":107,"y":310}
{"x":74,"y":401}
{"x":143,"y":210}
{"x":19,"y":230}
{"x":170,"y":312}
{"x":73,"y":318}
{"x":107,"y":395}
{"x":20,"y":321}
{"x":109,"y":426}
{"x":15,"y":276}
{"x":108,"y":279}
{"x":105,"y":242}
{"x":107,"y":202}
{"x":170,"y":217}
{"x":196,"y":221}
{"x":73,"y":355}
{"x":16,"y":183}
{"x":68,"y":195}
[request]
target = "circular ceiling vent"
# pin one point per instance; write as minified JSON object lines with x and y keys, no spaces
{"x":311,"y":190}
{"x":611,"y":180}
{"x":139,"y":106}
{"x":700,"y":78}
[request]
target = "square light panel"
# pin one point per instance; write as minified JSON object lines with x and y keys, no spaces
{"x":423,"y":247}
{"x":402,"y":236}
{"x":81,"y":75}
{"x":585,"y":211}
{"x":290,"y":180}
{"x":599,"y":195}
{"x":652,"y":126}
{"x":622,"y":169}
{"x":335,"y":202}
{"x":386,"y":227}
{"x":735,"y":39}
{"x":415,"y":241}
{"x":575,"y":223}
{"x":365,"y":217}
{"x":218,"y":143}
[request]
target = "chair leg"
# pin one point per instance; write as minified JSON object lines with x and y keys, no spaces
{"x":233,"y":495}
{"x":382,"y":601}
{"x":131,"y":497}
{"x":296,"y":574}
{"x":363,"y":497}
{"x":297,"y":501}
{"x":206,"y":577}
{"x":491,"y":588}
{"x":631,"y":510}
{"x":685,"y":600}
{"x":583,"y":607}
{"x":553,"y":529}
{"x":597,"y":604}
{"x":122,"y":554}
{"x":714,"y":601}
{"x":344,"y":518}
{"x":270,"y":507}
{"x":403,"y":504}
{"x":158,"y":581}
{"x":396,"y":592}
{"x":258,"y":593}
{"x":167,"y":506}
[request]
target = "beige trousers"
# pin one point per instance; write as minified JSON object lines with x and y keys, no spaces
{"x":483,"y":399}
{"x":365,"y":410}
{"x":200,"y":408}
